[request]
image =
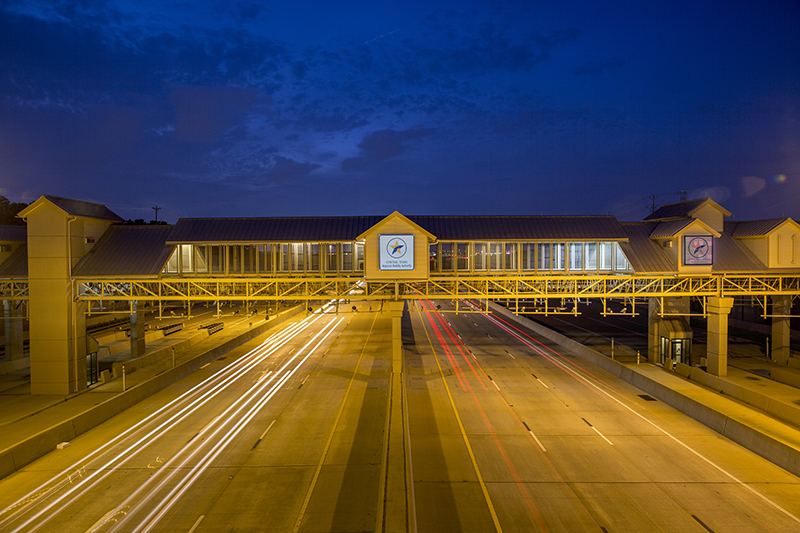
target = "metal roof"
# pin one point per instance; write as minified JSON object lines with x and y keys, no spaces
{"x":297,"y":229}
{"x":465,"y":228}
{"x":733,"y":256}
{"x":684,"y":209}
{"x":127,"y":251}
{"x":669,"y":228}
{"x":16,"y":266}
{"x":84,"y":209}
{"x":518,"y":228}
{"x":645,"y":254}
{"x":754,"y":228}
{"x":13,"y":234}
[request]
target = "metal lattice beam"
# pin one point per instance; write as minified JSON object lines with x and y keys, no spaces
{"x":437,"y":287}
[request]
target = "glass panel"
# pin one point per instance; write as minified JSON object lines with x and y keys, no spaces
{"x":249,"y":258}
{"x":312,"y":257}
{"x":347,"y":257}
{"x":172,"y":264}
{"x":480,"y":256}
{"x":201,"y":259}
{"x":622,"y":261}
{"x":558,"y":256}
{"x":297,"y":257}
{"x":605,"y":255}
{"x":234,"y":259}
{"x":511,"y":256}
{"x":283,"y":258}
{"x":447,"y":256}
{"x":187,"y":259}
{"x":544,"y":256}
{"x":576,"y":256}
{"x":265,"y":258}
{"x":217,"y":259}
{"x":330,"y":258}
{"x":359,"y":257}
{"x":433,"y":258}
{"x":495,"y":256}
{"x":591,"y":256}
{"x":462,"y":255}
{"x":528,"y":256}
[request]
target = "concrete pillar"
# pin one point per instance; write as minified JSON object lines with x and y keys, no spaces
{"x":137,"y":330}
{"x":654,"y":331}
{"x":781,"y":305}
{"x":13,"y":330}
{"x":717,"y":352}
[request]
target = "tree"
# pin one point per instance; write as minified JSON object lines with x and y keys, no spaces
{"x":9,"y":210}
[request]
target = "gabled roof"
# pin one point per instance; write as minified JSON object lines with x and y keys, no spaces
{"x":731,"y":255}
{"x":127,"y":251}
{"x":407,"y":220}
{"x":757,"y":228}
{"x":685,"y":209}
{"x":670,"y":228}
{"x":76,"y":208}
{"x":16,"y":266}
{"x":13,"y":234}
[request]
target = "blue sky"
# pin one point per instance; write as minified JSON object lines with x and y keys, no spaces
{"x":337,"y":108}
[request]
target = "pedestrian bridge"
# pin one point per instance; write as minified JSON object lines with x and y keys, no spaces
{"x":76,"y":258}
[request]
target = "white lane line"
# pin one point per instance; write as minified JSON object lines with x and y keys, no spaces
{"x":676,"y":440}
{"x":604,"y":437}
{"x":268,"y":428}
{"x":197,"y":523}
{"x":493,"y":383}
{"x":540,"y":381}
{"x":534,"y":437}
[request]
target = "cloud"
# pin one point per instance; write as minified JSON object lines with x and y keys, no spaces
{"x":202,"y":113}
{"x":382,"y":145}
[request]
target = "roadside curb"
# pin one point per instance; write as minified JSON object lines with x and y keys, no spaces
{"x":738,"y":429}
{"x":36,"y":446}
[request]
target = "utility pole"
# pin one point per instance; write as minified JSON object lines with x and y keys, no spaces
{"x":156,"y":208}
{"x":683,"y":194}
{"x":653,"y":205}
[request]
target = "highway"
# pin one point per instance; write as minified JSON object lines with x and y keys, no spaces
{"x":506,"y":433}
{"x":509,"y":433}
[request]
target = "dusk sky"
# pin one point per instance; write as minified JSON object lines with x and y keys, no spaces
{"x":243,"y":108}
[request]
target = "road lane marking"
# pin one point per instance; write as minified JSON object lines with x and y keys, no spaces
{"x":493,"y":383}
{"x":534,"y":436}
{"x":197,"y":523}
{"x":262,"y":436}
{"x":595,"y":430}
{"x":540,"y":381}
{"x":595,"y":384}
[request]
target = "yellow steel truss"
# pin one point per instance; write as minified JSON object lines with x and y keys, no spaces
{"x":437,"y":287}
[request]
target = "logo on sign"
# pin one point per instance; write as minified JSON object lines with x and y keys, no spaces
{"x":396,"y":248}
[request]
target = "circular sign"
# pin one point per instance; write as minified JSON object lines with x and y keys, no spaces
{"x":698,"y":247}
{"x":396,"y":248}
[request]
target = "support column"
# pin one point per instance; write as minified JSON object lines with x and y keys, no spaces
{"x":13,"y":330}
{"x":781,"y":331}
{"x":653,"y":331}
{"x":137,"y":330}
{"x":717,"y":309}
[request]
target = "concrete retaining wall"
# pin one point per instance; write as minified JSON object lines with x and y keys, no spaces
{"x":44,"y":442}
{"x":780,"y":453}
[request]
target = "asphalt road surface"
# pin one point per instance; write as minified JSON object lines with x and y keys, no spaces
{"x":506,"y":433}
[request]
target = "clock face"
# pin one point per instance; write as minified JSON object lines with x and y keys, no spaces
{"x":698,"y":250}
